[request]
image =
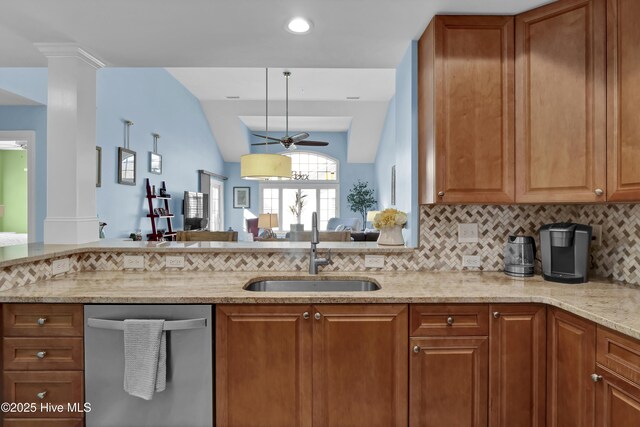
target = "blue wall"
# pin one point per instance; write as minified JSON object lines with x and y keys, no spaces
{"x":399,"y":145}
{"x":29,"y":83}
{"x":33,"y":119}
{"x":157,"y":103}
{"x":337,"y":148}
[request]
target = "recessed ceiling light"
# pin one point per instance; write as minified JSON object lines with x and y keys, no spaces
{"x":233,"y":97}
{"x":353,"y":97}
{"x":299,"y":25}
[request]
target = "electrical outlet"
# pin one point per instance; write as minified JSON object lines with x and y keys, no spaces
{"x":468,"y":233}
{"x":60,"y":266}
{"x":374,"y":261}
{"x":596,"y":235}
{"x":131,"y":261}
{"x":174,"y":261}
{"x":471,"y":261}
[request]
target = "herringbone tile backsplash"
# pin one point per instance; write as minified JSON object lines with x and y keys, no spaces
{"x":618,"y":257}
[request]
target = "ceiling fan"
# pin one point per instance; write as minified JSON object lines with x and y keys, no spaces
{"x":290,"y":142}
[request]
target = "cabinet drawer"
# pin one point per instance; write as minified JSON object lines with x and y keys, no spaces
{"x":59,"y":388}
{"x":619,"y":353}
{"x":449,"y":320}
{"x":42,"y":320}
{"x":43,"y":354}
{"x":43,"y":422}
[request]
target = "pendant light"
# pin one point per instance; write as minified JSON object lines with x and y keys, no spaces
{"x":265,"y":166}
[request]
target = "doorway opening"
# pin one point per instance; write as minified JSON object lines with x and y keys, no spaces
{"x":17,"y":187}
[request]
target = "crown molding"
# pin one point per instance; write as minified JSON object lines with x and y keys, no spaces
{"x":69,"y":50}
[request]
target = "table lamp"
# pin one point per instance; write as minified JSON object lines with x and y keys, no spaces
{"x":267,"y":222}
{"x":371,"y":215}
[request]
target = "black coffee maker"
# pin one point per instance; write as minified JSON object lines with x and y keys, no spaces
{"x":564,"y":249}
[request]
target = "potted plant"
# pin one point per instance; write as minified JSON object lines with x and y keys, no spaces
{"x":296,"y":209}
{"x":360,"y":199}
{"x":390,"y":223}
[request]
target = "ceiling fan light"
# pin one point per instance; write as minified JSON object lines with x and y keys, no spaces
{"x":299,"y":25}
{"x":265,"y":167}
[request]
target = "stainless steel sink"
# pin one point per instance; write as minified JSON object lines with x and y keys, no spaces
{"x":297,"y":285}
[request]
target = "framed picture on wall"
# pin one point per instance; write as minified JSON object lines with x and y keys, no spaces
{"x":98,"y":166}
{"x":241,"y":197}
{"x":126,"y":166}
{"x":155,"y":163}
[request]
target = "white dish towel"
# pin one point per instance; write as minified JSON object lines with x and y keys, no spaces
{"x":145,"y":357}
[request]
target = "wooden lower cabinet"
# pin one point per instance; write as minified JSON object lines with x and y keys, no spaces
{"x":617,"y":401}
{"x":323,"y":365}
{"x":571,"y":359}
{"x":517,"y":357}
{"x":449,"y":381}
{"x":43,"y":422}
{"x":263,"y":365}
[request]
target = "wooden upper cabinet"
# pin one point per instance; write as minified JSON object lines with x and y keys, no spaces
{"x":571,"y":360}
{"x":517,"y":360}
{"x":623,"y":69}
{"x":466,"y":110}
{"x":561,"y":103}
{"x":360,"y":365}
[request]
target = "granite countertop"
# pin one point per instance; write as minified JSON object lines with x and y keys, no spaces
{"x":19,"y":254}
{"x":608,"y":304}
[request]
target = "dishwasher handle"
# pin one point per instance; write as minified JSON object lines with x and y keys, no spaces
{"x":169,"y":325}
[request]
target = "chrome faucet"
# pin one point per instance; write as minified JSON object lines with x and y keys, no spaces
{"x":314,"y":261}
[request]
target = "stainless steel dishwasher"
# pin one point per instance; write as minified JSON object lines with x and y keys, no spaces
{"x":187,"y":400}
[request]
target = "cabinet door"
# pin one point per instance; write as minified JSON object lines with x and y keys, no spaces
{"x":623,"y":69}
{"x":449,"y":381}
{"x":561,"y":103}
{"x":617,"y":401}
{"x":263,"y":366}
{"x":360,"y":365}
{"x":517,"y":365}
{"x":571,"y":359}
{"x":474,"y":109}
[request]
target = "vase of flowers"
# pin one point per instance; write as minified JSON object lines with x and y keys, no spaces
{"x":390,"y":223}
{"x":296,"y":209}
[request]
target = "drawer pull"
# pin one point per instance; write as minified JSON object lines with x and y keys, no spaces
{"x":42,"y":394}
{"x":41,"y":321}
{"x":416,"y":349}
{"x":596,"y":378}
{"x":496,"y":314}
{"x":305,"y":315}
{"x":450,"y":320}
{"x":41,"y":354}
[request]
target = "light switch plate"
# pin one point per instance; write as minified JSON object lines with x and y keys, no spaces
{"x":60,"y":266}
{"x":471,"y":261}
{"x":374,"y":261}
{"x":174,"y":261}
{"x":131,"y":261}
{"x":596,"y":235}
{"x":468,"y":233}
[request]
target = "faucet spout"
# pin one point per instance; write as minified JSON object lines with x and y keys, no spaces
{"x":314,"y":261}
{"x":315,"y":235}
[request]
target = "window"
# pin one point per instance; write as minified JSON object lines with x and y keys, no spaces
{"x":314,"y":176}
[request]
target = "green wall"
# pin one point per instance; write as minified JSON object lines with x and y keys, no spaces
{"x":13,"y":190}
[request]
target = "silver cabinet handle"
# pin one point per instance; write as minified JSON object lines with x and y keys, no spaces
{"x":317,"y":316}
{"x":41,"y":354}
{"x":496,"y":314}
{"x":599,"y":192}
{"x":416,"y":349}
{"x":450,"y":320}
{"x":41,"y":395}
{"x":41,"y":321}
{"x":441,"y":194}
{"x":305,"y":315}
{"x":596,"y":378}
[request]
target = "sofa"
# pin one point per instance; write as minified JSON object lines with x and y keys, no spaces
{"x":348,"y":224}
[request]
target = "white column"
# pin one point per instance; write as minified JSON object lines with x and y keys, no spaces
{"x":71,"y":141}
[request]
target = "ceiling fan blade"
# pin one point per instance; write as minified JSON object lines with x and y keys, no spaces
{"x":299,"y":137}
{"x":267,"y":143}
{"x":313,"y":143}
{"x":267,"y":137}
